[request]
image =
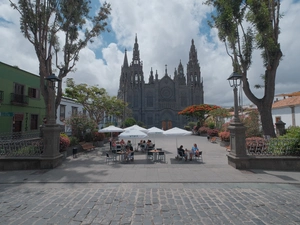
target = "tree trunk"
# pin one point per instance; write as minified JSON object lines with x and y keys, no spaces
{"x":266,"y":116}
{"x":264,"y":105}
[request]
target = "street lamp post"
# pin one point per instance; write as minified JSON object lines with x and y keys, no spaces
{"x":51,"y":156}
{"x":237,"y":155}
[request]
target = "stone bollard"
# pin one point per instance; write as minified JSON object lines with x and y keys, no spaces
{"x":280,"y":128}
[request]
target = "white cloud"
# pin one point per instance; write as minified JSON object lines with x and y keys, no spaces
{"x":164,"y":29}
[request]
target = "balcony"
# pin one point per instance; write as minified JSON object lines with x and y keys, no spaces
{"x":17,"y":99}
{"x":1,"y":96}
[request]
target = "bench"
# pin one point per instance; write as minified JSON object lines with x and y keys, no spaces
{"x":86,"y":146}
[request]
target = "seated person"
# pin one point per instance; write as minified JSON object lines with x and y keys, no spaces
{"x":122,"y":142}
{"x":127,"y":152}
{"x":195,"y":151}
{"x":182,"y":152}
{"x":113,"y":144}
{"x":143,"y":145}
{"x":149,"y":145}
{"x":130,"y":145}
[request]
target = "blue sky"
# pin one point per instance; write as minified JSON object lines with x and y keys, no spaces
{"x":165,"y":29}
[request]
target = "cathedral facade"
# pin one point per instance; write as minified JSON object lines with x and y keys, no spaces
{"x":157,"y":102}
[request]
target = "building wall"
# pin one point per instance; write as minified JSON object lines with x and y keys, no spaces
{"x":18,"y":111}
{"x":286,"y":115}
{"x":69,"y":106}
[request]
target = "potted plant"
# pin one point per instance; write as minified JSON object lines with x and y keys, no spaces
{"x":64,"y":144}
{"x":225,"y":138}
{"x":98,"y":139}
{"x":202,"y":131}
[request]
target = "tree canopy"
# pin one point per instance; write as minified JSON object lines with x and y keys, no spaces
{"x":95,"y":100}
{"x":58,"y":31}
{"x":199,"y":112}
{"x":246,"y":26}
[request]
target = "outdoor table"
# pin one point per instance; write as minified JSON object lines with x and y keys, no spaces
{"x":155,"y":153}
{"x":121,"y":155}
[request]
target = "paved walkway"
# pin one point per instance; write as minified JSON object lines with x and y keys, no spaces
{"x":86,"y":190}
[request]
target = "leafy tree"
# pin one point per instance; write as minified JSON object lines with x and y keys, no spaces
{"x":218,"y":115}
{"x":252,"y":124}
{"x":199,"y":112}
{"x":80,"y":124}
{"x":95,"y":100}
{"x":129,"y":122}
{"x":245,"y":26}
{"x":43,"y":21}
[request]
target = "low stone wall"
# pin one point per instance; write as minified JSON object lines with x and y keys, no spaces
{"x":29,"y":163}
{"x":281,"y":163}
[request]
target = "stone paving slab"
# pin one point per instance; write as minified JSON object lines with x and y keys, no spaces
{"x":91,"y":167}
{"x":86,"y":190}
{"x":178,"y":203}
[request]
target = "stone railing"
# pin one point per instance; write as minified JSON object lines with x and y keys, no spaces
{"x":273,"y":147}
{"x":27,"y":144}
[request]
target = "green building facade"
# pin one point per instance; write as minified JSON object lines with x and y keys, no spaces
{"x":22,"y":106}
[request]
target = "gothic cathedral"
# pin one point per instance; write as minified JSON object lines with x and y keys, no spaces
{"x":158,"y":102}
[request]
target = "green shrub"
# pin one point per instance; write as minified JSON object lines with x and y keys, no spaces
{"x":98,"y":136}
{"x":187,"y":128}
{"x":211,"y":125}
{"x":73,"y":141}
{"x":213,"y":132}
{"x":88,"y":137}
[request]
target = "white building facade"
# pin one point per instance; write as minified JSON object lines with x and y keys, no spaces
{"x":66,"y":109}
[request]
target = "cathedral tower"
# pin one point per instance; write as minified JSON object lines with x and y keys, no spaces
{"x":158,"y":102}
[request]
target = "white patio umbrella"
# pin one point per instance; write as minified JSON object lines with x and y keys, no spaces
{"x":136,"y":127}
{"x":176,"y":132}
{"x":110,"y":129}
{"x":153,"y":131}
{"x":133,"y":134}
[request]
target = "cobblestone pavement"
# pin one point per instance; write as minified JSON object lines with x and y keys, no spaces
{"x":149,"y":203}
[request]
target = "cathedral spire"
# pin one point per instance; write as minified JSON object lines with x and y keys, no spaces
{"x":136,"y":52}
{"x":166,"y":70}
{"x":193,"y":53}
{"x":125,"y":63}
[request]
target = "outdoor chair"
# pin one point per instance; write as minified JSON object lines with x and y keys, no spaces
{"x":162,"y":156}
{"x":130,"y":156}
{"x":180,"y":154}
{"x":119,"y":148}
{"x":150,"y":155}
{"x":110,"y":158}
{"x":199,"y":157}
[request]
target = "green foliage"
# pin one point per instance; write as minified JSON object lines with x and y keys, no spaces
{"x":129,"y":122}
{"x":88,"y":137}
{"x":252,"y":124}
{"x":187,"y":128}
{"x":192,"y":124}
{"x":64,"y":141}
{"x":293,"y":132}
{"x":73,"y":141}
{"x":211,"y":125}
{"x":80,"y":124}
{"x":26,"y":150}
{"x":246,"y":26}
{"x":43,"y":22}
{"x":95,"y":100}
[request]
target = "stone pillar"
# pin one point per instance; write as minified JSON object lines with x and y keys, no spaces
{"x":237,"y":157}
{"x":280,"y":128}
{"x":51,"y":156}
